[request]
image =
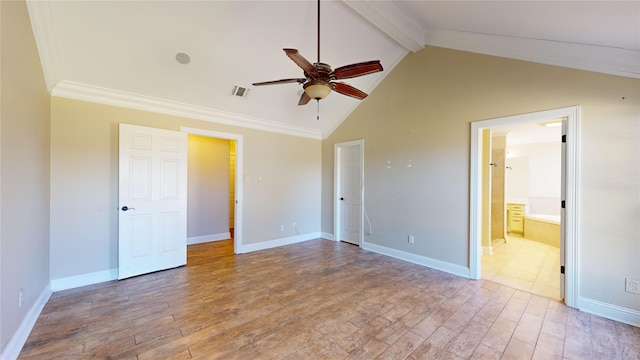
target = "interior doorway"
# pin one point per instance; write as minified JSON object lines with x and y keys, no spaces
{"x":523,"y":250}
{"x":235,"y":185}
{"x":211,"y":194}
{"x":568,"y":228}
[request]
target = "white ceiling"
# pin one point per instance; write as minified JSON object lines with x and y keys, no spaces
{"x":123,"y":52}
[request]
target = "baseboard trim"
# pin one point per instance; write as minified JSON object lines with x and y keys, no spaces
{"x":83,"y":280}
{"x":19,"y":338}
{"x":418,"y":259}
{"x":279,"y":242}
{"x":208,"y":238}
{"x":609,"y":311}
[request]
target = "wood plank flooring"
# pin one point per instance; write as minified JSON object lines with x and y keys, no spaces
{"x":315,"y":300}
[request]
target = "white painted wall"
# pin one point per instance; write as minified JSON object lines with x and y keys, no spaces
{"x":535,"y":176}
{"x":544,"y":168}
{"x":517,"y":179}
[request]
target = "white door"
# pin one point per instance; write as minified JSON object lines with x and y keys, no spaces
{"x":152,"y":221}
{"x":349,"y":194}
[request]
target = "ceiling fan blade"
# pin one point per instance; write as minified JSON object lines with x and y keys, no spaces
{"x":354,"y":70}
{"x":348,"y":90}
{"x":282,"y":81}
{"x":304,"y":64}
{"x":304,"y":99}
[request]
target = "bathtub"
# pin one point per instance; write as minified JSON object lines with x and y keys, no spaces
{"x":543,"y":228}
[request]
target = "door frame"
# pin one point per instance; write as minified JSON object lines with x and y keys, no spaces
{"x":237,"y":218}
{"x":571,"y":243}
{"x":337,"y":185}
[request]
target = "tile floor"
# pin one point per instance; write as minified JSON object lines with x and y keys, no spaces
{"x":525,"y":265}
{"x":316,"y":300}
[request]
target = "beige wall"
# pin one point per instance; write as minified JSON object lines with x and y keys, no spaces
{"x":24,"y":230}
{"x":58,"y":214}
{"x":498,"y":211}
{"x":232,"y":183}
{"x":84,"y":183}
{"x":208,"y":186}
{"x":486,"y":191}
{"x":422,"y":112}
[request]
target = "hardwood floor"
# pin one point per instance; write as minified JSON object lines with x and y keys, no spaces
{"x":315,"y":300}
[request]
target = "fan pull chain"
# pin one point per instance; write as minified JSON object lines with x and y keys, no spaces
{"x":318,"y":110}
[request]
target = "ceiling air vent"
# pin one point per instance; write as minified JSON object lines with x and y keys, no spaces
{"x":240,"y":91}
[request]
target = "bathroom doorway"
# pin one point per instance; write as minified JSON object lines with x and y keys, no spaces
{"x":513,"y":240}
{"x":525,"y":203}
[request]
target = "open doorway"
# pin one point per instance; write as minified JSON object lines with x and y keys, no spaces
{"x":210,"y":182}
{"x":567,"y":271}
{"x":230,"y":176}
{"x":523,"y":250}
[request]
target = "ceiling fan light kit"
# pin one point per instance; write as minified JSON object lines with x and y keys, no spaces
{"x":317,"y":90}
{"x":318,"y":81}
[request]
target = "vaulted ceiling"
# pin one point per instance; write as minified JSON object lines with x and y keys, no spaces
{"x":124,"y":52}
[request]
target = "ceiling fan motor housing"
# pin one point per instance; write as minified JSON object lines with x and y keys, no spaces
{"x":318,"y":87}
{"x":323,"y":69}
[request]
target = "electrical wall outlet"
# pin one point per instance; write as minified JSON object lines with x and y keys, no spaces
{"x":282,"y":227}
{"x":20,"y":298}
{"x":295,"y":226}
{"x":411,"y":239}
{"x":632,"y":286}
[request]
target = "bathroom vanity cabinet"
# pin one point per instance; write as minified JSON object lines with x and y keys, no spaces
{"x":515,"y":218}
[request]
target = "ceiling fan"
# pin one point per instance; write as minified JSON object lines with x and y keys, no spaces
{"x":319,"y":79}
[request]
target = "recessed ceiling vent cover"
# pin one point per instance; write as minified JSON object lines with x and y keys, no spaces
{"x":183,"y":58}
{"x":240,"y":91}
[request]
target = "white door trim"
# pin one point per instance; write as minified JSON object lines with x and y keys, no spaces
{"x":237,"y":227}
{"x":336,"y":187}
{"x":572,"y":114}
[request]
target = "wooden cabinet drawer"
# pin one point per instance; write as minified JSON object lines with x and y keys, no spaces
{"x":515,"y":218}
{"x":516,"y":225}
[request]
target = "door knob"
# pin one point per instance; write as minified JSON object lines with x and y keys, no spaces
{"x":341,"y":198}
{"x":126,"y":208}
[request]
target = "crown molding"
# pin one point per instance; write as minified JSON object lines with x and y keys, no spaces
{"x":601,"y":59}
{"x":40,"y":16}
{"x":409,"y":33}
{"x":387,"y":17}
{"x":84,"y":92}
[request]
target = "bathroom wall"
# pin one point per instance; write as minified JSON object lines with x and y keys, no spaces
{"x":534,"y":176}
{"x":486,"y":191}
{"x":498,"y":213}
